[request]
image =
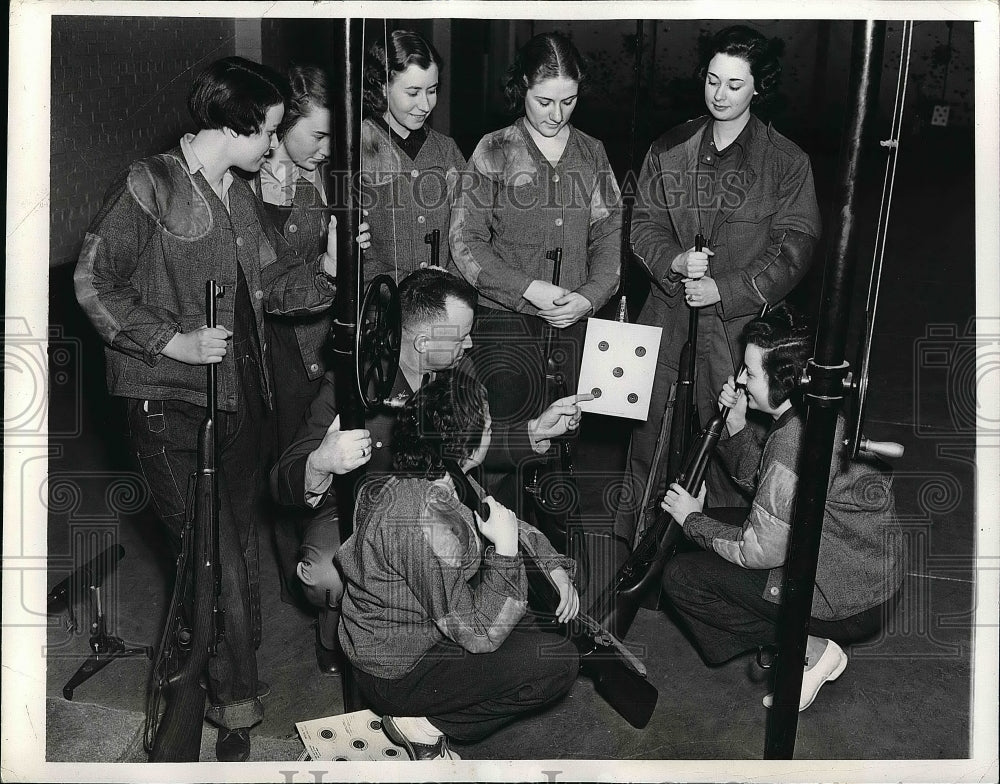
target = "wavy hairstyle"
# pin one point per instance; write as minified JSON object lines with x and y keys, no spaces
{"x":443,"y":419}
{"x":406,"y":48}
{"x":760,"y":53}
{"x":235,"y":93}
{"x":786,"y":343}
{"x":307,"y":90}
{"x":546,"y":56}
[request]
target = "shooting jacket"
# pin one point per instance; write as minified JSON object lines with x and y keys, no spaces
{"x":417,"y":571}
{"x":514,"y":206}
{"x":763,"y":234}
{"x":161,"y":233}
{"x":406,"y":199}
{"x":860,"y":557}
{"x":303,"y":222}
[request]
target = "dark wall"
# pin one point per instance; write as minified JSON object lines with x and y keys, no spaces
{"x":119,"y":92}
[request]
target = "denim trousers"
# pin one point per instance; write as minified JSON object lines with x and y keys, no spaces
{"x":164,"y":435}
{"x":469,"y":696}
{"x":723,"y":606}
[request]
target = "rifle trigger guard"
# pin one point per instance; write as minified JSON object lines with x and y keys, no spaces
{"x":377,"y":341}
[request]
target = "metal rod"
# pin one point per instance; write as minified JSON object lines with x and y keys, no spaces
{"x":824,"y":395}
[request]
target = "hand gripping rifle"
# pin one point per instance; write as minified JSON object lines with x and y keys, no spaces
{"x":619,"y":677}
{"x":553,"y":490}
{"x":194,"y":621}
{"x":617,"y":606}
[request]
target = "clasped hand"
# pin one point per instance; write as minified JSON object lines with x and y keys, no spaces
{"x":558,"y":306}
{"x":203,"y":346}
{"x":733,"y":398}
{"x":679,"y":503}
{"x":329,"y":258}
{"x":500,"y":528}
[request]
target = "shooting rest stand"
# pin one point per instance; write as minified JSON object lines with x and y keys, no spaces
{"x":106,"y":648}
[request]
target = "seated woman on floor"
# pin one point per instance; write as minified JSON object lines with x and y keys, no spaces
{"x":729,"y":595}
{"x":433,"y":615}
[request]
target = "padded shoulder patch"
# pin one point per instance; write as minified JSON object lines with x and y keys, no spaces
{"x":165,"y":191}
{"x":380,"y":158}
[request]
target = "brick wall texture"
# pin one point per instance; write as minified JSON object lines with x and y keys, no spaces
{"x":119,"y":93}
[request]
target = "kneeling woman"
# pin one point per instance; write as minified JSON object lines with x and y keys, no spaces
{"x":729,"y":596}
{"x":433,"y":614}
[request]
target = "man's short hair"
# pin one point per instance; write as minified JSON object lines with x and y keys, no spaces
{"x":423,"y":295}
{"x":235,"y":93}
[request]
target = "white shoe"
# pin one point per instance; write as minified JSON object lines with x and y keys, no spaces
{"x":417,"y":751}
{"x":830,"y":665}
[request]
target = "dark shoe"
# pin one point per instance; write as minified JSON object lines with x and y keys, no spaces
{"x":327,"y":659}
{"x":418,"y":751}
{"x":233,"y":745}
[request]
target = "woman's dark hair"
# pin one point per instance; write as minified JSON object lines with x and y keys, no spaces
{"x":443,"y":419}
{"x":760,"y":53}
{"x":307,"y":90}
{"x":546,"y":56}
{"x":406,"y":48}
{"x":235,"y":93}
{"x":786,"y":342}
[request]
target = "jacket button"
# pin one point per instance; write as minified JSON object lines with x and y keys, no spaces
{"x":421,"y":219}
{"x":239,"y":241}
{"x":292,"y":228}
{"x":415,"y":173}
{"x":555,"y":178}
{"x":259,"y":294}
{"x":558,"y":221}
{"x":774,"y":590}
{"x":313,"y":367}
{"x":378,"y":444}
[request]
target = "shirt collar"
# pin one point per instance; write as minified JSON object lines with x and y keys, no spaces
{"x":195,"y":165}
{"x":279,"y":178}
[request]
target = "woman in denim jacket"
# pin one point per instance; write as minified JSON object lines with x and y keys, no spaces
{"x":408,"y":170}
{"x":530,"y":188}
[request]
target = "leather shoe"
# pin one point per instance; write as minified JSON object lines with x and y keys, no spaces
{"x":830,"y":665}
{"x":233,"y":745}
{"x":418,"y":751}
{"x":327,"y":659}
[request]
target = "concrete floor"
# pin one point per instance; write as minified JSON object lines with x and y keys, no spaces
{"x":905,"y":695}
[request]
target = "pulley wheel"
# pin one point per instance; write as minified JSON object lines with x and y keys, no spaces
{"x":376,"y":346}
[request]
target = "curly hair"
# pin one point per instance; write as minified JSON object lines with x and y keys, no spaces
{"x":406,"y":48}
{"x":307,"y":91}
{"x":546,"y":56}
{"x":760,"y":53}
{"x":443,"y":419}
{"x":786,"y":343}
{"x":235,"y":93}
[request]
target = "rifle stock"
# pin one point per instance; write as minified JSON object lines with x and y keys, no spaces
{"x":187,"y":646}
{"x":620,"y":683}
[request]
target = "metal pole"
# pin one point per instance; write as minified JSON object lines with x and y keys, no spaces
{"x":345,"y":85}
{"x":825,"y":390}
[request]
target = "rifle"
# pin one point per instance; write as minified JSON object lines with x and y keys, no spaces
{"x":553,"y":490}
{"x":433,"y":238}
{"x":618,"y":605}
{"x":186,"y":646}
{"x":619,"y":677}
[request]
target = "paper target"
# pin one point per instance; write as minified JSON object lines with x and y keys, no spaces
{"x":349,"y":737}
{"x":619,"y":362}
